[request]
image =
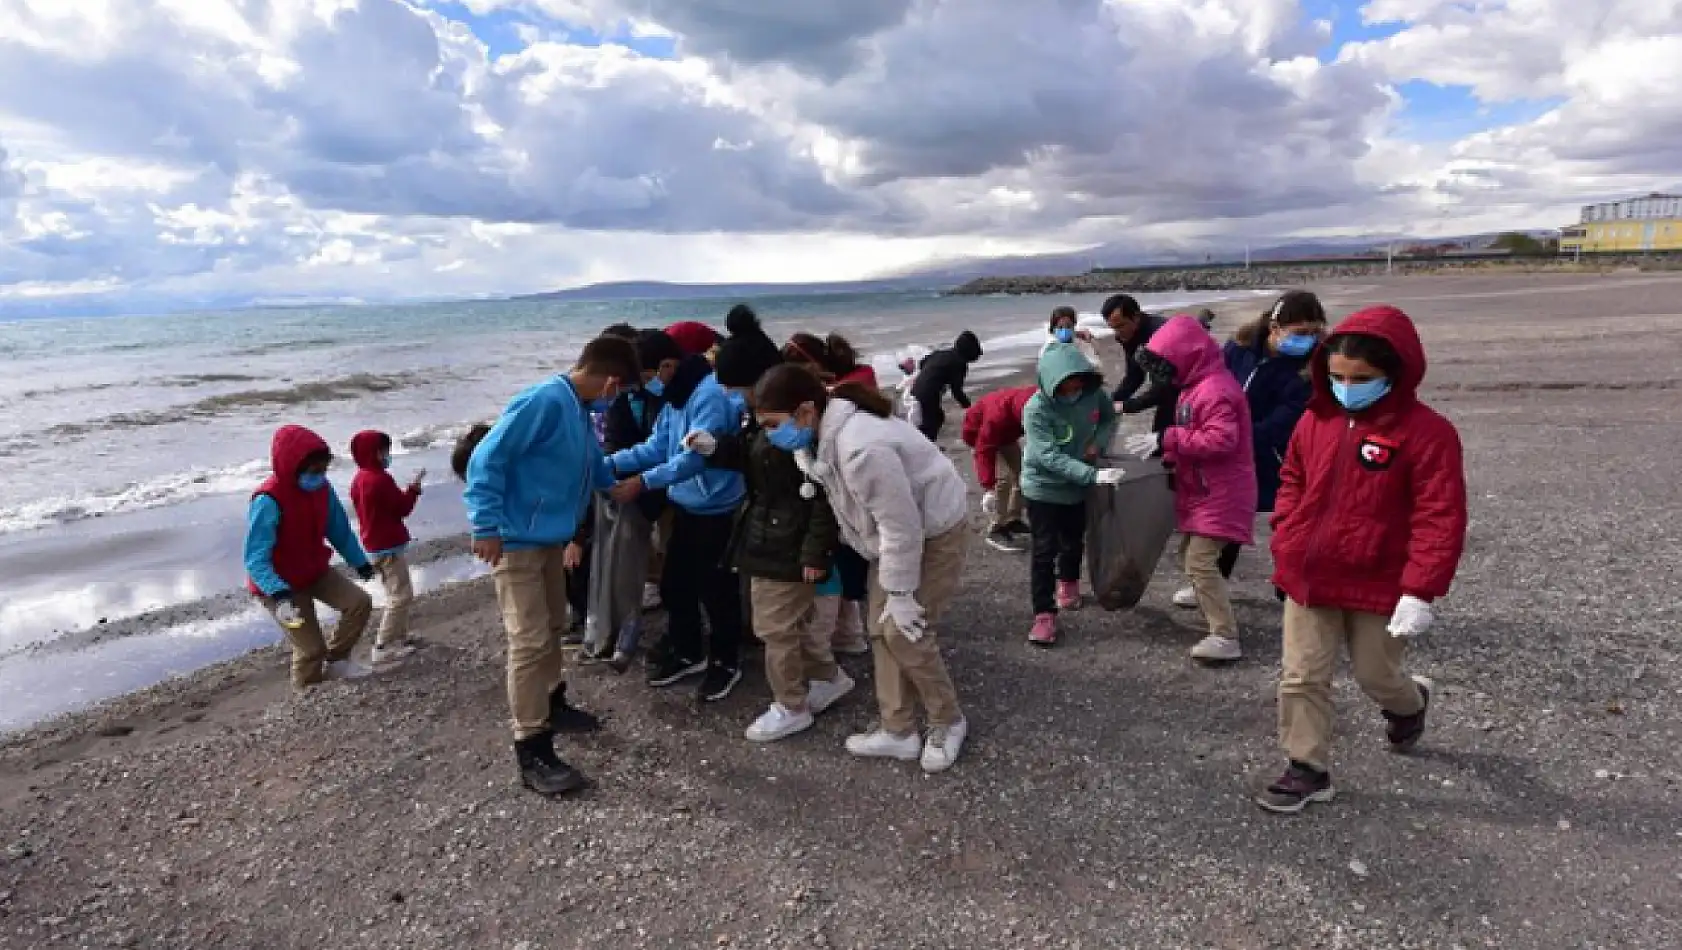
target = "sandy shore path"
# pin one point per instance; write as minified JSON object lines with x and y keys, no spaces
{"x":1102,"y":801}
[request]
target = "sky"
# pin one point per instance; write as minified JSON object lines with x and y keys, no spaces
{"x":190,"y":151}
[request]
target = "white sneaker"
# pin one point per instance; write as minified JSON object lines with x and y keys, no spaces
{"x":346,"y":670}
{"x":1186,"y":598}
{"x":778,"y":723}
{"x":941,"y":750}
{"x":651,"y":596}
{"x":391,"y":653}
{"x":881,"y":744}
{"x":1217,"y":650}
{"x":820,"y":695}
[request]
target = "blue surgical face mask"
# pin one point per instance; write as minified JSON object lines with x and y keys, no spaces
{"x":1065,"y":335}
{"x":1357,"y":396}
{"x":654,"y":386}
{"x":385,"y":461}
{"x":791,"y":436}
{"x":312,"y":481}
{"x":1297,"y":345}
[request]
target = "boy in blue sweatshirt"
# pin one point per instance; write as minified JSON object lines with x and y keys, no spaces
{"x":704,"y":503}
{"x":529,"y":484}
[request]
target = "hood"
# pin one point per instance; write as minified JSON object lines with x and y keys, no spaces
{"x":1058,"y":362}
{"x":1393,"y":327}
{"x":291,"y":445}
{"x":1183,"y":342}
{"x":692,"y":337}
{"x":968,"y":346}
{"x":690,"y":374}
{"x":366,"y":447}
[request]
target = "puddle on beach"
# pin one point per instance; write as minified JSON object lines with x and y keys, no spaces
{"x":35,"y":687}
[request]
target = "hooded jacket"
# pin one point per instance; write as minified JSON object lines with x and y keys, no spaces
{"x":1210,"y":444}
{"x":694,"y":401}
{"x":778,"y":533}
{"x":287,"y":529}
{"x":947,"y":369}
{"x":1063,"y":437}
{"x":629,"y":422}
{"x":891,"y":489}
{"x":1276,"y":387}
{"x":995,"y":421}
{"x":1372,"y":504}
{"x":380,"y":504}
{"x":531,"y":481}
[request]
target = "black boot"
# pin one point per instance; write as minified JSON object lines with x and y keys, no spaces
{"x":541,"y":770}
{"x":565,"y":717}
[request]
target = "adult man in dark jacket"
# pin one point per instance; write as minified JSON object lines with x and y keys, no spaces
{"x":1133,"y":329}
{"x":940,"y":371}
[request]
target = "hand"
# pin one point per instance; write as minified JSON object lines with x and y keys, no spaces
{"x":1083,"y":335}
{"x":1143,"y":446}
{"x":286,"y":613}
{"x":906,"y":615}
{"x":572,"y":556}
{"x":701,"y":442}
{"x":1110,"y":476}
{"x":990,"y":503}
{"x":415,"y":483}
{"x":813,"y":575}
{"x":1412,"y":617}
{"x":488,"y":550}
{"x":366,"y":572}
{"x":1121,"y":409}
{"x":627,"y":491}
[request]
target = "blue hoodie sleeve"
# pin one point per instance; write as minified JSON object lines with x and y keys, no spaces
{"x":651,"y":452}
{"x":487,"y":470}
{"x":712,"y":412}
{"x":340,"y":535}
{"x":262,"y":523}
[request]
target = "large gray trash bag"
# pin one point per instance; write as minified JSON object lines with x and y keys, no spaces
{"x":1127,"y":527}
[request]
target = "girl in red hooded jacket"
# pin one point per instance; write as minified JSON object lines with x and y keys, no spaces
{"x":1368,"y":530}
{"x":381,"y":507}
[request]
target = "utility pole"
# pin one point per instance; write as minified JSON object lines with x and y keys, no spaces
{"x":1246,"y":255}
{"x":1390,"y":258}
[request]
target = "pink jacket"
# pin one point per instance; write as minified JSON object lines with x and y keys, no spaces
{"x":1210,"y":443}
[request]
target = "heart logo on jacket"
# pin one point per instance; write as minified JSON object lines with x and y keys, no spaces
{"x":1377,"y":454}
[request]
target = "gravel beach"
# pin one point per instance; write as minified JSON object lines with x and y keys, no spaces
{"x":1102,"y":800}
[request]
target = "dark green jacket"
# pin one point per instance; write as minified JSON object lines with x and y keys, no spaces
{"x":778,"y":533}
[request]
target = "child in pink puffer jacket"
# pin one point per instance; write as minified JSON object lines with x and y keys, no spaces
{"x":1209,"y":447}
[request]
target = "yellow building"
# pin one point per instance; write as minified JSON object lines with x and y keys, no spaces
{"x":1634,"y":225}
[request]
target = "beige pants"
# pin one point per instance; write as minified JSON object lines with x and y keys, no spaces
{"x":1007,"y":468}
{"x":907,"y":672}
{"x":796,"y":653}
{"x":399,"y":594}
{"x":309,"y":648}
{"x":1200,"y":557}
{"x":531,"y":590}
{"x":1313,"y":638}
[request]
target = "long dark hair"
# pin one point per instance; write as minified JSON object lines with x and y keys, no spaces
{"x":1375,"y":351}
{"x":833,"y":355}
{"x":1294,"y":308}
{"x":791,"y":385}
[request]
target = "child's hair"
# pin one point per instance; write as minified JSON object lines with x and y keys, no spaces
{"x":833,"y":355}
{"x":622,"y":330}
{"x":318,"y":457}
{"x":791,"y":385}
{"x":463,"y":452}
{"x":1375,"y":351}
{"x":1294,"y":309}
{"x":1064,"y":313}
{"x":614,"y":356}
{"x":843,"y":359}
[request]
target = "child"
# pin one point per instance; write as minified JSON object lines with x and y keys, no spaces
{"x":898,"y":502}
{"x":1209,"y":447}
{"x":785,"y":542}
{"x":1368,"y":531}
{"x":1068,"y":422}
{"x":1065,"y":329}
{"x":381,"y":507}
{"x":529,"y":483}
{"x":940,"y":371}
{"x":293,"y":517}
{"x":993,"y":429}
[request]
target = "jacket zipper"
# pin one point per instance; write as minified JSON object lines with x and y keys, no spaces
{"x":1331,"y":493}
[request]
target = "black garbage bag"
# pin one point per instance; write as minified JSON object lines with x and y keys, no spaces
{"x":1127,"y":527}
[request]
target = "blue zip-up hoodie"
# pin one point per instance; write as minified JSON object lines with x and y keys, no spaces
{"x":694,"y":401}
{"x":530,"y":481}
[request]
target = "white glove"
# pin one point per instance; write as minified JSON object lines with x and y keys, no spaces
{"x":287,"y":614}
{"x":701,"y":442}
{"x":906,"y":615}
{"x":914,"y":414}
{"x":1143,"y":446}
{"x":990,"y":503}
{"x":1412,"y":617}
{"x":1110,"y":476}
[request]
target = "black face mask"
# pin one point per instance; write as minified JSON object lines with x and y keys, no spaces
{"x":1160,"y":371}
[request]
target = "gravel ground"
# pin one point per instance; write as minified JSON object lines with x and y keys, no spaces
{"x":1102,"y":801}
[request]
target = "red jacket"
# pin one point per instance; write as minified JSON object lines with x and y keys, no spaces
{"x":301,"y":555}
{"x":993,"y":422}
{"x":1372,"y":505}
{"x":381,"y":506}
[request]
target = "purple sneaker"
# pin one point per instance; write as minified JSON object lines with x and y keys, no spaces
{"x":1296,"y":789}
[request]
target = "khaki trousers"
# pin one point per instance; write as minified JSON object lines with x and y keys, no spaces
{"x":1200,"y":557}
{"x":1007,"y":468}
{"x":399,"y":595}
{"x":906,"y":672}
{"x":531,"y":590}
{"x":796,"y":653}
{"x":1313,"y":638}
{"x":310,"y":650}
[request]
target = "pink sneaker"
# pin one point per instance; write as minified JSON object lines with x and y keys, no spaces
{"x":1044,"y":633}
{"x":1068,"y":595}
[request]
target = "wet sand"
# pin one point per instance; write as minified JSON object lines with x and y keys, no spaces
{"x":1101,"y":802}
